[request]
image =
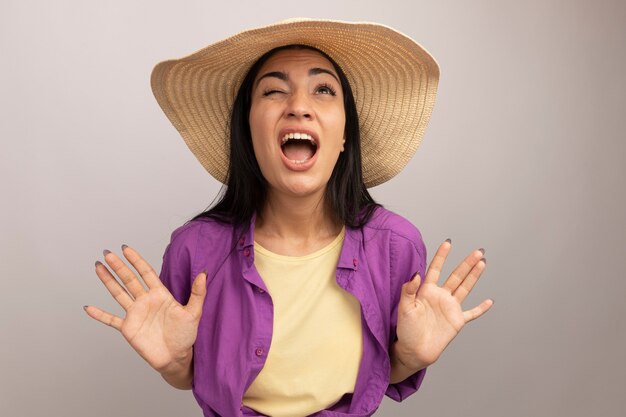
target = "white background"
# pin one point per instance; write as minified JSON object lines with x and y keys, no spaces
{"x":524,"y":156}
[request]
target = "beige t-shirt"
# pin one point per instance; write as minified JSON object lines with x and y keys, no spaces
{"x":317,"y":343}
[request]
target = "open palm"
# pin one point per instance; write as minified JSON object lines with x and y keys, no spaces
{"x":157,"y":326}
{"x":429,"y":318}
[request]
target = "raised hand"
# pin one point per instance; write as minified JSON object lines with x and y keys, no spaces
{"x":430,"y":318}
{"x":159,"y":328}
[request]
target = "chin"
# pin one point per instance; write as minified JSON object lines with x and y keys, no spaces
{"x":304,"y":186}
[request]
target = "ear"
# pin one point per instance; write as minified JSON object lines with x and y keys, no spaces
{"x":342,"y":143}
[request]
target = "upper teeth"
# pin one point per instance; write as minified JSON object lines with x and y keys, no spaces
{"x":298,"y":136}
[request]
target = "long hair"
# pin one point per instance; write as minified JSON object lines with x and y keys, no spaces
{"x":246,"y":188}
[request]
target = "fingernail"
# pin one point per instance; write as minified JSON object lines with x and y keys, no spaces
{"x":124,"y":246}
{"x":98,"y":263}
{"x":106,"y":252}
{"x":484,"y":260}
{"x":449,"y":240}
{"x":85,"y":308}
{"x":204,"y":271}
{"x":482,"y":250}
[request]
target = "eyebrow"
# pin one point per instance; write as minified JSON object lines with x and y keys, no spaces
{"x":283,"y":76}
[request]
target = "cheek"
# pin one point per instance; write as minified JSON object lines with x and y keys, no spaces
{"x":338,"y":129}
{"x":262,"y":121}
{"x":254,"y":120}
{"x":261,"y":151}
{"x":259,"y":132}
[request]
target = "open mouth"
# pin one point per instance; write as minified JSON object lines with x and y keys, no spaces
{"x":298,"y":147}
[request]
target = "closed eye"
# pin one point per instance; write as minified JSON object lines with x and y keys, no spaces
{"x":323,"y":88}
{"x":270,"y":92}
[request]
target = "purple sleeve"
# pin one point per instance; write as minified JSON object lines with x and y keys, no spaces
{"x":408,"y":256}
{"x":176,"y":268}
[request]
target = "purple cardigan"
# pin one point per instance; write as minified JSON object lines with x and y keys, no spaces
{"x":235,"y":330}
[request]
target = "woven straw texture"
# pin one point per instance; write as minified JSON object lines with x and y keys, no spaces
{"x":394,"y":81}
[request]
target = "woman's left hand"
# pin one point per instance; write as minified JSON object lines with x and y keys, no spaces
{"x":430,"y":319}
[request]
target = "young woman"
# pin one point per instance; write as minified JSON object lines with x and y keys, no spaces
{"x":296,"y":294}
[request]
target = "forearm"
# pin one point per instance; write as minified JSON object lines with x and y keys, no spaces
{"x":180,"y":374}
{"x":399,"y":371}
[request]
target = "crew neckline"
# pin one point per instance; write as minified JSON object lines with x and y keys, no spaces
{"x":338,"y":239}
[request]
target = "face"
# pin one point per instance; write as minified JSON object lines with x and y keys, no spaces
{"x":297,"y":121}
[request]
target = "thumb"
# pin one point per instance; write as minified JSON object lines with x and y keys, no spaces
{"x":198,"y":293}
{"x":409,"y":289}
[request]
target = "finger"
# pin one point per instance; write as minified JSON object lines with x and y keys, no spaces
{"x":130,"y":280}
{"x":104,"y":317}
{"x":409,"y":289}
{"x":477,"y":311}
{"x":434,"y":269}
{"x":470,"y":280}
{"x":460,"y":272}
{"x":198,"y":293}
{"x":148,"y":274}
{"x":117,"y":291}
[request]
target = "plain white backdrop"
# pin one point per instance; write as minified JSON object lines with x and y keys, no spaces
{"x":524,"y":156}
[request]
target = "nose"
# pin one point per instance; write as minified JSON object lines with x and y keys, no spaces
{"x":299,"y":106}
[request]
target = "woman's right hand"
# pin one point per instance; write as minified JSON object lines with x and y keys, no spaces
{"x":159,"y":328}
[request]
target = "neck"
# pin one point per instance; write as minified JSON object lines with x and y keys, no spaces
{"x":297,"y":218}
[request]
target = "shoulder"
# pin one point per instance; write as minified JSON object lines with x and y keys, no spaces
{"x":399,"y":228}
{"x":407,"y":250}
{"x":201,"y":232}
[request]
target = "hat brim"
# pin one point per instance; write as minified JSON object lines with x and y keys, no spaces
{"x":393,"y":78}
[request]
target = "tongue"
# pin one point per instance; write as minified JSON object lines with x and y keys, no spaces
{"x":298,"y":151}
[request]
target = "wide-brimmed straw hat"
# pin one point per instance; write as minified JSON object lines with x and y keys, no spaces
{"x":393,"y":80}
